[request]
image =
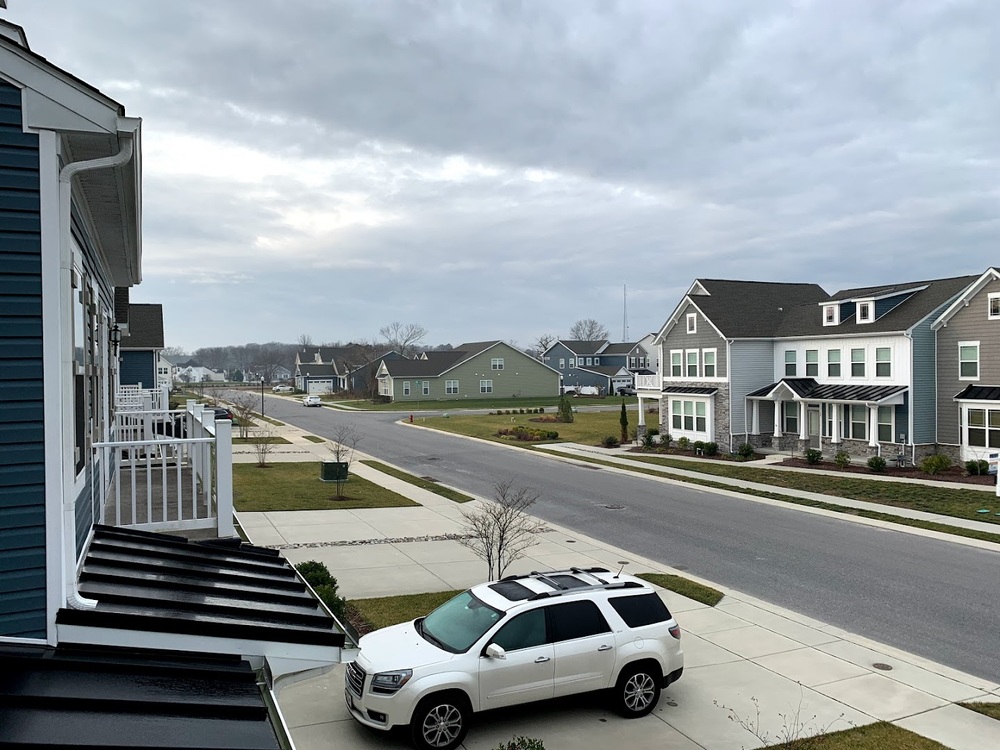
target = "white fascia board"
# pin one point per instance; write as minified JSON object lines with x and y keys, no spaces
{"x":671,"y":321}
{"x":964,"y":298}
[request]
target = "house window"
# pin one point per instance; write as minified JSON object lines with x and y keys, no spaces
{"x":790,"y":412}
{"x":496,"y":363}
{"x":857,"y":363}
{"x":708,"y":358}
{"x":406,"y":387}
{"x":968,"y":360}
{"x":812,"y":363}
{"x":993,"y":306}
{"x":886,"y":427}
{"x":859,"y":422}
{"x":631,"y":363}
{"x":692,"y":323}
{"x":562,"y":363}
{"x":572,"y":363}
{"x":590,"y":361}
{"x":675,"y":414}
{"x":833,"y":363}
{"x":700,"y":420}
{"x":865,"y":312}
{"x":831,"y":315}
{"x":883,"y":362}
{"x":426,"y":388}
{"x":597,"y":360}
{"x":689,"y":415}
{"x":451,"y":387}
{"x":790,"y":363}
{"x":984,"y":428}
{"x":486,"y":386}
{"x":676,"y":368}
{"x":692,"y":364}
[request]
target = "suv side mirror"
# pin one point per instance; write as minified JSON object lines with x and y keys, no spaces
{"x":495,"y":651}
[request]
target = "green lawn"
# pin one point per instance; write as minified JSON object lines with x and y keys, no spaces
{"x":315,"y":439}
{"x":296,"y":486}
{"x":587,"y":427}
{"x":691,"y":589}
{"x":878,"y":736}
{"x":392,"y":610}
{"x":548,"y":402}
{"x":269,"y":440}
{"x":425,"y":484}
{"x":987,"y":709}
{"x":958,"y":502}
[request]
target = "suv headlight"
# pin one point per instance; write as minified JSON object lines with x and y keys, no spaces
{"x":388,"y":683}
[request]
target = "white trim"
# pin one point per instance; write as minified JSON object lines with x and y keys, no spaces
{"x":979,"y":357}
{"x":836,"y":314}
{"x":965,"y":297}
{"x":864,"y":304}
{"x":670,"y":366}
{"x":888,"y":361}
{"x":715,"y":363}
{"x":691,"y":323}
{"x":989,"y":305}
{"x":697,"y":363}
{"x":674,"y":318}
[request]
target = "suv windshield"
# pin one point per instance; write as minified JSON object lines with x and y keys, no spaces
{"x":459,"y":622}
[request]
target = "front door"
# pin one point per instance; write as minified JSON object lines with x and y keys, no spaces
{"x":814,"y":422}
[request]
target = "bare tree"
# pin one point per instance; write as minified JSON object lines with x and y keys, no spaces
{"x":174,"y":353}
{"x":403,"y":338}
{"x":543,"y":342}
{"x":343,"y":446}
{"x":500,"y":530}
{"x":304,"y":341}
{"x":263,"y":444}
{"x":588,"y":330}
{"x":245,"y":405}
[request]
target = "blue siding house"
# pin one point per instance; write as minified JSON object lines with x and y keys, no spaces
{"x":141,"y":345}
{"x":595,"y":364}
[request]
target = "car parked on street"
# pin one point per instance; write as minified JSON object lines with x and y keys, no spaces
{"x":282,"y":389}
{"x":311,"y":401}
{"x":626,"y":390}
{"x":519,"y":640}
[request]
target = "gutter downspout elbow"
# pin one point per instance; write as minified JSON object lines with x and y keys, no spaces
{"x":73,"y":598}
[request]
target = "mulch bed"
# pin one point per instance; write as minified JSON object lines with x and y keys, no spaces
{"x":954,"y":474}
{"x":720,"y":456}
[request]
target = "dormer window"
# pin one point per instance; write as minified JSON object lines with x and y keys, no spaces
{"x":866,"y":312}
{"x":692,"y":323}
{"x":831,"y":315}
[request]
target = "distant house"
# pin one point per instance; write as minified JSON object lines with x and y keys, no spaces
{"x":142,"y":341}
{"x":468,"y":372}
{"x":599,"y":364}
{"x":281,"y":374}
{"x":331,"y":369}
{"x":190,"y":371}
{"x":164,"y":371}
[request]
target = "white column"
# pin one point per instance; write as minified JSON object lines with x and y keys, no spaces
{"x":872,"y":426}
{"x":224,"y":478}
{"x":835,"y":423}
{"x":803,"y":427}
{"x":755,"y":417}
{"x":777,"y":417}
{"x":642,"y":414}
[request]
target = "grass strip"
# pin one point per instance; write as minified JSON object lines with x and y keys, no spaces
{"x":392,"y":610}
{"x":986,"y":709}
{"x":297,"y":486}
{"x":878,"y":736}
{"x":416,"y":481}
{"x":958,"y":502}
{"x":269,"y":440}
{"x":275,"y":422}
{"x":685,"y":587}
{"x":549,"y":403}
{"x":874,"y":515}
{"x":314,"y":438}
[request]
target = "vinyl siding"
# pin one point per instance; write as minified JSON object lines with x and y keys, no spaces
{"x":22,"y":452}
{"x":752,"y":369}
{"x":138,"y":367}
{"x":968,"y":324}
{"x":923,"y":378}
{"x":706,"y":337}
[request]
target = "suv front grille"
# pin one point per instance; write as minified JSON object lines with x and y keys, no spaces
{"x":356,"y":678}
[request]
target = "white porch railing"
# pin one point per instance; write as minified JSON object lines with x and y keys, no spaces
{"x":137,"y":398}
{"x":166,"y":471}
{"x":648,"y":383}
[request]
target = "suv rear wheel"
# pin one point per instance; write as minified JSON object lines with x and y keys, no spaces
{"x":440,"y":722}
{"x":637,"y":691}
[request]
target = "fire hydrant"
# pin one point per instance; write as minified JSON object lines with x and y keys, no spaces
{"x":411,"y":419}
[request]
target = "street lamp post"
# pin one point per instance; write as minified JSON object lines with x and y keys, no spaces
{"x":262,"y":397}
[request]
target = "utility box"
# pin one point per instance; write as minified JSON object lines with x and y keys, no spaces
{"x":333,"y":471}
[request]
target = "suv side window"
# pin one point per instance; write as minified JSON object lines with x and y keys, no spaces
{"x":575,"y":620}
{"x":637,"y":611}
{"x":524,"y":631}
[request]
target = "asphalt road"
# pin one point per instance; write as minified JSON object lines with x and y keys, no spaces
{"x":940,"y":600}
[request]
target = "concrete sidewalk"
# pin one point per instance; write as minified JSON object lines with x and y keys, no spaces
{"x":741,"y":650}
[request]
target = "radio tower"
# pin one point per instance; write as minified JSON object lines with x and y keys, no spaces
{"x":624,"y":313}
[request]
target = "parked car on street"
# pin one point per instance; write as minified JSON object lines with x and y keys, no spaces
{"x":519,"y":640}
{"x":311,"y":401}
{"x":282,"y":389}
{"x":626,"y":390}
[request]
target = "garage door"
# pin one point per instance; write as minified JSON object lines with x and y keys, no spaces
{"x":320,"y":386}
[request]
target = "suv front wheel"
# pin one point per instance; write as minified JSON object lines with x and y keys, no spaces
{"x":440,"y":722}
{"x":637,"y":691}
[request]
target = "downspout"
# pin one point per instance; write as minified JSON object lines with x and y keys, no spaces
{"x":73,"y":598}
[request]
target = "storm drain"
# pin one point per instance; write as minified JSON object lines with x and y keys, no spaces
{"x":429,"y":479}
{"x":883,"y":667}
{"x":615,"y":507}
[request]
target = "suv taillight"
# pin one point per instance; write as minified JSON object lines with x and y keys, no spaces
{"x":675,"y":631}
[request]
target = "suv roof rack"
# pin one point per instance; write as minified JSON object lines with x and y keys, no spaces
{"x":562,"y":589}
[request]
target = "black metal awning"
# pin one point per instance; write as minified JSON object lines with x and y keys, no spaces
{"x":807,"y":389}
{"x":979,"y":393}
{"x":685,"y":390}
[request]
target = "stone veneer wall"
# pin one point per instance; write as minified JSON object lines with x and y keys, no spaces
{"x":720,"y":415}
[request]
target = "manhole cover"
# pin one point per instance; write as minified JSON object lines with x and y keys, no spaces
{"x":429,"y":479}
{"x":615,"y":507}
{"x":883,"y":667}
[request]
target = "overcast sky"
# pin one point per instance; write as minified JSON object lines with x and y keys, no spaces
{"x":501,"y":170}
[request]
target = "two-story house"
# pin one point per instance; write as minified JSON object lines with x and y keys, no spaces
{"x":598,"y":364}
{"x":330,"y":369}
{"x":788,"y":367}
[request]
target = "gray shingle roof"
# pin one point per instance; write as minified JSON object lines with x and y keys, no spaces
{"x":145,"y":327}
{"x":313,"y":370}
{"x":622,"y":348}
{"x":753,"y":309}
{"x":584,"y":347}
{"x":436,"y":362}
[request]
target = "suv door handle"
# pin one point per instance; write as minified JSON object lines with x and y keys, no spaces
{"x":541,"y":660}
{"x":604,"y":648}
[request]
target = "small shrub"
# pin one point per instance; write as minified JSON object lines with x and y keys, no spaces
{"x":984,"y":467}
{"x":666,"y":439}
{"x":842,"y":459}
{"x":813,"y":456}
{"x":652,"y":431}
{"x":711,"y":449}
{"x":935,"y":464}
{"x":317,"y":575}
{"x":521,"y":743}
{"x":745,"y":451}
{"x":648,"y":441}
{"x":526,"y":434}
{"x":541,"y":409}
{"x":520,"y":411}
{"x":611,"y":442}
{"x":876,"y":464}
{"x":683,"y":443}
{"x":977,"y":467}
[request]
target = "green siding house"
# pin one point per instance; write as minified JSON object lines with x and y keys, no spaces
{"x":472,"y":371}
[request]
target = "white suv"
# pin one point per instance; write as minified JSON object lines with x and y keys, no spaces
{"x":519,"y":640}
